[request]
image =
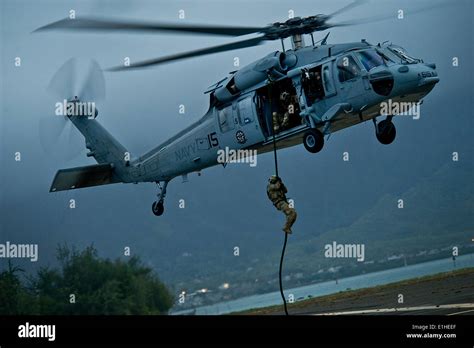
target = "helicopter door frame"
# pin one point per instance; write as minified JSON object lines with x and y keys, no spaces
{"x":328,"y":84}
{"x":328,"y":79}
{"x":226,"y":128}
{"x":248,"y":129}
{"x":321,"y":104}
{"x":352,"y":90}
{"x":225,"y":118}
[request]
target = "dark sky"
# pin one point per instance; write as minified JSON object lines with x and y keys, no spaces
{"x":224,"y":207}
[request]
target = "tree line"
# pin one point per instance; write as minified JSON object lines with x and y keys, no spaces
{"x":84,"y":284}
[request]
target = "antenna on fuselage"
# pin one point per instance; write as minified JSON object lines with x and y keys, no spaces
{"x":324,"y":41}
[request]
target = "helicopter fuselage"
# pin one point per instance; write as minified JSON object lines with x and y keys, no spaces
{"x":329,"y":88}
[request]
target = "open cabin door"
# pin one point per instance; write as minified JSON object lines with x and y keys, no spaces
{"x":278,"y":108}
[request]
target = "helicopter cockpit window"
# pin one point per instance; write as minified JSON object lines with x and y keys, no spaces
{"x":370,"y":59}
{"x":347,"y":68}
{"x":391,"y":56}
{"x":226,"y":121}
{"x":403,"y":55}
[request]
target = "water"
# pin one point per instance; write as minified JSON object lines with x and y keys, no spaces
{"x":330,"y":287}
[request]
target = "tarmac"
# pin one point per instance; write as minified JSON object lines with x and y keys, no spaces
{"x":444,"y":294}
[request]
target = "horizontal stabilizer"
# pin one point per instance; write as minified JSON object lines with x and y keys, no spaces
{"x":79,"y":177}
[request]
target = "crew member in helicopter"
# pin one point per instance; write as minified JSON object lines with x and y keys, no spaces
{"x":314,"y":83}
{"x":281,"y":118}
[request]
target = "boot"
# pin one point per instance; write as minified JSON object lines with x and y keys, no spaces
{"x":286,"y":229}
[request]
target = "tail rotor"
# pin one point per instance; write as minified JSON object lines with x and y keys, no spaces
{"x":57,"y":135}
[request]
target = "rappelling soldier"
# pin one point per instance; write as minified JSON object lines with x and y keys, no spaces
{"x":276,"y":192}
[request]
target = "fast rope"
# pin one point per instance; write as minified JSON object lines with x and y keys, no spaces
{"x":286,"y":234}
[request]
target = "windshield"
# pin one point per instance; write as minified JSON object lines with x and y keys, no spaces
{"x":401,"y":53}
{"x":391,"y":55}
{"x":370,"y":59}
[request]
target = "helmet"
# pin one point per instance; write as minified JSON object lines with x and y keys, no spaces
{"x":284,"y":96}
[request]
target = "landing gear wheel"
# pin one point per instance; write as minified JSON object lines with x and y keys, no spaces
{"x":386,"y":132}
{"x":313,"y":140}
{"x":158,"y":208}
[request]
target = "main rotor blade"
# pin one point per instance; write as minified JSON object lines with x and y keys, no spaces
{"x":385,"y":17}
{"x":97,"y":24}
{"x":196,"y":53}
{"x":347,"y":7}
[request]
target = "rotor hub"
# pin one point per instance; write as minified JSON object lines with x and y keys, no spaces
{"x":295,"y":26}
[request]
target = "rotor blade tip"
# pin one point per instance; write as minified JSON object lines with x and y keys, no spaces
{"x":114,"y":69}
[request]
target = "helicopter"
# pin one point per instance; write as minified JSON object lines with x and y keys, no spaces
{"x":316,"y":89}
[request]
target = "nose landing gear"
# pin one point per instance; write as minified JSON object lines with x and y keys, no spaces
{"x":385,"y":130}
{"x":158,"y":207}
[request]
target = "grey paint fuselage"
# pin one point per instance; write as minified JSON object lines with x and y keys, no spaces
{"x":191,"y":149}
